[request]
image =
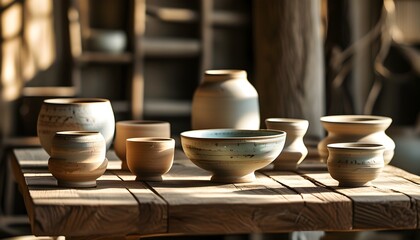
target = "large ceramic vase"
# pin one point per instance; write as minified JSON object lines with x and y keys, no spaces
{"x":77,"y":158}
{"x":134,"y":129}
{"x":357,"y":128}
{"x":355,"y":164}
{"x":75,"y":114}
{"x":294,"y":150}
{"x":225,"y":99}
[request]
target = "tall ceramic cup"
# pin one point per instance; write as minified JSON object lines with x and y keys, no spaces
{"x":225,"y":99}
{"x":294,"y":150}
{"x":75,"y":114}
{"x":137,"y":128}
{"x":357,"y":128}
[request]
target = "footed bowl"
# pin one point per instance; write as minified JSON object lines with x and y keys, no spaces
{"x":232,"y":155}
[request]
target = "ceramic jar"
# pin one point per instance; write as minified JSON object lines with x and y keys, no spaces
{"x":137,"y":128}
{"x":294,"y":150}
{"x":225,"y":99}
{"x":77,"y":158}
{"x":150,"y":158}
{"x":357,"y":128}
{"x":75,"y":114}
{"x":355,"y":164}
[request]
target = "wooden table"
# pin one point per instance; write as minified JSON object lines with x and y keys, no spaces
{"x":186,"y":202}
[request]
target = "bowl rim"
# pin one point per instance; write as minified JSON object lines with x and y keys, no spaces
{"x":141,"y":123}
{"x":140,"y":140}
{"x":193,"y":134}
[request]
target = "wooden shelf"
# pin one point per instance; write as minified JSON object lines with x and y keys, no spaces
{"x":171,"y":47}
{"x":48,"y":91}
{"x":228,"y":19}
{"x":218,"y":18}
{"x":182,"y":15}
{"x":102,"y":57}
{"x":167,"y":108}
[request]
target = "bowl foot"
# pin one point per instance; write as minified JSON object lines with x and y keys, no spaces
{"x":154,"y":178}
{"x":86,"y":184}
{"x":233,"y":179}
{"x":354,"y":184}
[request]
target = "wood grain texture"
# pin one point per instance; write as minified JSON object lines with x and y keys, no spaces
{"x":373,"y":207}
{"x":109,"y":209}
{"x":323,"y":208}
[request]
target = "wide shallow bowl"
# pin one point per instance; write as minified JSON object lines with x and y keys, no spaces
{"x":232,"y":155}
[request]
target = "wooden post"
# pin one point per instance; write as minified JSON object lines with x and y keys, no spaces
{"x":289,"y":60}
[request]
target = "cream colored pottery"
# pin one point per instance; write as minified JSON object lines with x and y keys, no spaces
{"x":225,"y":99}
{"x":150,"y":158}
{"x":355,"y":164}
{"x":77,"y":158}
{"x":75,"y":114}
{"x":232,"y":155}
{"x":137,"y":128}
{"x":357,"y":128}
{"x":294,"y":150}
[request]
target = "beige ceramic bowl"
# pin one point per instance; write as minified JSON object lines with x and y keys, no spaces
{"x":232,"y":155}
{"x":355,"y":164}
{"x":137,"y":128}
{"x":150,"y":158}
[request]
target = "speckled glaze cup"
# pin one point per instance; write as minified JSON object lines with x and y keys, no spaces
{"x":77,"y":158}
{"x":355,"y":164}
{"x":150,"y":158}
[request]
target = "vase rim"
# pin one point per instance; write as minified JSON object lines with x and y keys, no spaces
{"x":73,"y":101}
{"x":355,"y":119}
{"x":231,"y":73}
{"x":356,"y":146}
{"x":287,"y":120}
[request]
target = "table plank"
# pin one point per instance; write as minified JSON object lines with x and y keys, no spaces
{"x":324,"y":208}
{"x":199,"y":206}
{"x":373,"y":207}
{"x":109,"y":209}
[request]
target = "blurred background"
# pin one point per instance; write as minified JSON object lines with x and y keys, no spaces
{"x":306,"y":58}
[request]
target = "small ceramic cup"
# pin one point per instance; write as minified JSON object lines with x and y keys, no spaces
{"x":150,"y":158}
{"x":294,"y":150}
{"x":137,"y":128}
{"x":77,"y":158}
{"x":355,"y":164}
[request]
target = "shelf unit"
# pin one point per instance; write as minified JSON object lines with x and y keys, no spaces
{"x":170,"y":44}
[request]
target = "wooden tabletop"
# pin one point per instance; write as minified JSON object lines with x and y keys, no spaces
{"x":186,"y":202}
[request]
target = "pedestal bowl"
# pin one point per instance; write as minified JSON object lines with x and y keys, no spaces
{"x":232,"y":155}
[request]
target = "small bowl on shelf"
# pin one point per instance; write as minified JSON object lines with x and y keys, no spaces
{"x":232,"y":155}
{"x":355,"y":164}
{"x":107,"y":40}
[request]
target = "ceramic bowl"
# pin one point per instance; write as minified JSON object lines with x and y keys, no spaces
{"x":294,"y":150}
{"x":75,"y":114}
{"x":355,"y":164}
{"x":232,"y":155}
{"x":150,"y":158}
{"x":106,"y":40}
{"x":77,"y":158}
{"x":137,"y":128}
